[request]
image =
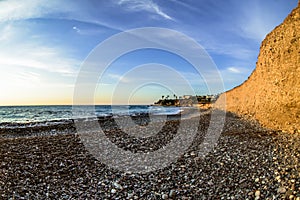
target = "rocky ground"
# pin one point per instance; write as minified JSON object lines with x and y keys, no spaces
{"x":248,"y":162}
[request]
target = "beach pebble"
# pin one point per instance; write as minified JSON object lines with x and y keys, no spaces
{"x":291,"y":197}
{"x":289,"y":193}
{"x":164,"y":196}
{"x":113,"y":191}
{"x":129,"y":195}
{"x":257,"y":194}
{"x":172,"y":193}
{"x":281,"y":190}
{"x":117,"y":186}
{"x":241,"y":166}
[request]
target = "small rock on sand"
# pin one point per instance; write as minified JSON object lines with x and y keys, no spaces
{"x":257,"y":194}
{"x":113,"y":191}
{"x":281,"y":190}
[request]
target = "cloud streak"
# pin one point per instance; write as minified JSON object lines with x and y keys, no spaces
{"x":38,"y":57}
{"x":234,"y":70}
{"x":263,"y":17}
{"x":140,"y":5}
{"x":14,"y":10}
{"x":19,"y":10}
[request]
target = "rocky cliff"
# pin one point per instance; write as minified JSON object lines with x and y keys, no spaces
{"x":271,"y":94}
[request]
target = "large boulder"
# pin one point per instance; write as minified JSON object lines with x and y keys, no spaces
{"x":271,"y":94}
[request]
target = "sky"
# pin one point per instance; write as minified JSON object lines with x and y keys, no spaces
{"x":44,"y":46}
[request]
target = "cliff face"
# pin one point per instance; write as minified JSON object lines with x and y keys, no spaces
{"x":271,"y":94}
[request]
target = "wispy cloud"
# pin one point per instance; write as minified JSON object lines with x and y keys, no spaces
{"x":91,"y":31}
{"x":234,"y":70}
{"x":185,"y":5}
{"x":27,"y":9}
{"x":263,"y":17}
{"x":5,"y":33}
{"x":20,"y":49}
{"x":236,"y":51}
{"x":140,"y":5}
{"x":118,"y":78}
{"x":26,"y":78}
{"x":14,"y":10}
{"x":255,"y":25}
{"x":38,"y":57}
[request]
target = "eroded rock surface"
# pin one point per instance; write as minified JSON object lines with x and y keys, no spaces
{"x":271,"y":94}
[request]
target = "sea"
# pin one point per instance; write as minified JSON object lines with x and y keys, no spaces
{"x":22,"y":116}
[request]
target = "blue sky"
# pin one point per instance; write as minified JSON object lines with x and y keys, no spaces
{"x":44,"y":43}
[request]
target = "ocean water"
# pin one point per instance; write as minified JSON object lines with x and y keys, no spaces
{"x":14,"y":115}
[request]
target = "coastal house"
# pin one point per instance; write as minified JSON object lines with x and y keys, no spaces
{"x":186,"y":96}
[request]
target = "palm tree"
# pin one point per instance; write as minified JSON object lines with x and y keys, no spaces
{"x":162,"y":97}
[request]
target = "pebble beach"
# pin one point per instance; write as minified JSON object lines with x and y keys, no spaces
{"x":248,"y":162}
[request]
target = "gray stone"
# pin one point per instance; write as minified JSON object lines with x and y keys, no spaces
{"x":164,"y":196}
{"x":113,"y":191}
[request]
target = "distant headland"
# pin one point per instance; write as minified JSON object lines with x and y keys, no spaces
{"x":187,"y":100}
